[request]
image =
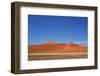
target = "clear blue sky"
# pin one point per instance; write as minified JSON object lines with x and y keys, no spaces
{"x":57,"y":28}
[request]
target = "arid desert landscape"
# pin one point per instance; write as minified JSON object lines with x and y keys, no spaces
{"x":53,"y":50}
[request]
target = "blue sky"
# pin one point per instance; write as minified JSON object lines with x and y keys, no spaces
{"x":60,"y":29}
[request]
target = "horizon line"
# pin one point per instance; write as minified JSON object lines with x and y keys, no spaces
{"x":77,"y":42}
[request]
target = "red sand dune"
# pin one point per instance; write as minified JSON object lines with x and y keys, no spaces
{"x":54,"y":47}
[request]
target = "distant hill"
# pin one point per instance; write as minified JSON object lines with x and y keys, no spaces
{"x":49,"y":43}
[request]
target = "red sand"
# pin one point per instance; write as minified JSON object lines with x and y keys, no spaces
{"x":53,"y":47}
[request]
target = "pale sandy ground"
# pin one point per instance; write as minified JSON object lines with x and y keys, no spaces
{"x":50,"y":56}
